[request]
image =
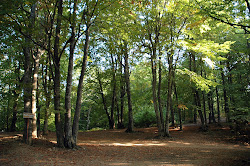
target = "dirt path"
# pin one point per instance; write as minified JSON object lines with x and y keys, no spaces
{"x":115,"y":147}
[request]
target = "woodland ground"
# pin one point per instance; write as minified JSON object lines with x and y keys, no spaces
{"x":115,"y":147}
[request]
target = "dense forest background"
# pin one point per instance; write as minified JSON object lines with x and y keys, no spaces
{"x":83,"y":65}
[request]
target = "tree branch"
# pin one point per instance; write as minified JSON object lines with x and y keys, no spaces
{"x":231,"y":24}
{"x":25,"y":35}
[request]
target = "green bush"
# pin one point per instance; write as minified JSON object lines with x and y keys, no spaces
{"x":145,"y":117}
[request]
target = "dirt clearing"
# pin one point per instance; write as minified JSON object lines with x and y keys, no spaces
{"x":115,"y":147}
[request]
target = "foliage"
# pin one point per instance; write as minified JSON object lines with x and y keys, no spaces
{"x":144,"y":117}
{"x":214,"y":33}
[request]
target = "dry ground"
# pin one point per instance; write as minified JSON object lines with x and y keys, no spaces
{"x":115,"y":147}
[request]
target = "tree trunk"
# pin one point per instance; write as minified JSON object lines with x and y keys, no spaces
{"x":8,"y":113}
{"x":14,"y":117}
{"x":193,"y":89}
{"x":218,"y":105}
{"x":122,"y":94}
{"x":170,"y":92}
{"x":47,"y":90}
{"x":127,"y":80}
{"x":34,"y":93}
{"x":75,"y":127}
{"x":203,"y":126}
{"x":58,"y":123}
{"x":27,"y":91}
{"x":177,"y":102}
{"x":57,"y":79}
{"x":212,"y":107}
{"x":121,"y":125}
{"x":197,"y":99}
{"x":104,"y":100}
{"x":171,"y":100}
{"x":232,"y":103}
{"x":38,"y":115}
{"x":209,"y":107}
{"x":27,"y":136}
{"x":172,"y":114}
{"x":204,"y":102}
{"x":159,"y":98}
{"x":88,"y":118}
{"x":226,"y":108}
{"x":154,"y":85}
{"x":113,"y":85}
{"x":68,"y":124}
{"x":204,"y":107}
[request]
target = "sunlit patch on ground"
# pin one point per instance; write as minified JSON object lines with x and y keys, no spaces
{"x":116,"y":147}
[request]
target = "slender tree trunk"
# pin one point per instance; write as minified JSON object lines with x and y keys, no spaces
{"x":122,"y":92}
{"x":226,"y":108}
{"x":122,"y":108}
{"x":209,"y":107}
{"x":153,"y":46}
{"x":16,"y":98}
{"x":154,"y":88}
{"x":104,"y":100}
{"x":38,"y":113}
{"x":170,"y":92}
{"x":27,"y":91}
{"x":79,"y":90}
{"x":7,"y":118}
{"x":113,"y":93}
{"x":193,"y":89}
{"x":171,"y":100}
{"x":58,"y":122}
{"x":170,"y":83}
{"x":204,"y":102}
{"x":68,"y":124}
{"x":159,"y":98}
{"x":212,"y":107}
{"x":203,"y":126}
{"x":218,"y":105}
{"x":88,"y":118}
{"x":179,"y":110}
{"x":34,"y":93}
{"x":172,"y":114}
{"x":197,"y":99}
{"x":14,"y":117}
{"x":232,"y":103}
{"x":204,"y":107}
{"x":127,"y":80}
{"x":47,"y":89}
{"x":57,"y":79}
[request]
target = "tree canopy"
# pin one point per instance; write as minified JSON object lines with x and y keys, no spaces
{"x":77,"y":65}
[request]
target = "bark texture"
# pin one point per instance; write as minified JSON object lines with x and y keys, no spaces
{"x":75,"y":127}
{"x":127,"y":80}
{"x":68,"y":124}
{"x":57,"y":77}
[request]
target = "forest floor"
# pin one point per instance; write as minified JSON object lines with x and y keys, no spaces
{"x":116,"y":147}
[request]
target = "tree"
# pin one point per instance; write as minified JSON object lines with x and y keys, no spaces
{"x":68,"y":124}
{"x":127,"y":80}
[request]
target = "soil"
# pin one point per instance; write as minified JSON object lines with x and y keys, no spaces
{"x":143,"y":147}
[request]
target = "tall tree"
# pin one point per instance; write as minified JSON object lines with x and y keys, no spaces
{"x":57,"y":75}
{"x":68,"y":124}
{"x":127,"y":80}
{"x":27,"y":50}
{"x":34,"y":92}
